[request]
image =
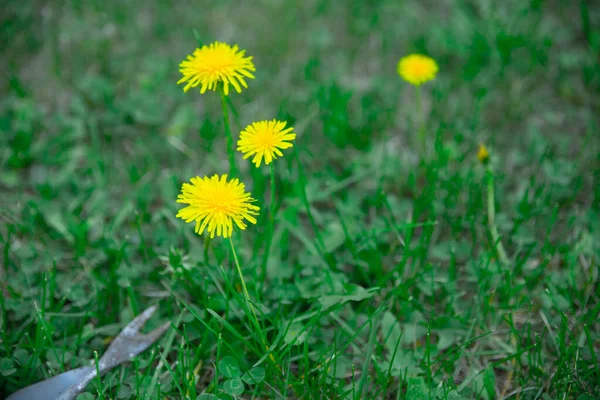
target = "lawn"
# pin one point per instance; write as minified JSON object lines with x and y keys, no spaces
{"x":387,"y":260}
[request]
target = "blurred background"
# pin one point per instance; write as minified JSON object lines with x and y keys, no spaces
{"x":96,"y":138}
{"x":527,"y":67}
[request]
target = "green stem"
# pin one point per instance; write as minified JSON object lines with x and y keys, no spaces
{"x":491,"y":211}
{"x":272,"y":194}
{"x":244,"y":289}
{"x":206,"y":249}
{"x":228,"y":137}
{"x":270,"y":226}
{"x":247,"y":298}
{"x":421,"y":121}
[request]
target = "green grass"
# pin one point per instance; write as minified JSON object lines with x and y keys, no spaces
{"x":383,"y":279}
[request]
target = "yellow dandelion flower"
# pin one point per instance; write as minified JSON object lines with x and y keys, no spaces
{"x":417,"y":69}
{"x":263,"y":139}
{"x":214,"y":203}
{"x":482,"y":154}
{"x":217,"y":62}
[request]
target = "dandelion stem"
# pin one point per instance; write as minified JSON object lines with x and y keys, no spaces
{"x":228,"y":138}
{"x":272,"y":216}
{"x":491,"y":212}
{"x":244,"y":289}
{"x":206,"y":249}
{"x":270,"y":226}
{"x":247,"y":298}
{"x":421,"y":121}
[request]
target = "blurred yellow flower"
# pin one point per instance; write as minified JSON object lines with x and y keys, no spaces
{"x":217,"y":62}
{"x":417,"y":69}
{"x":482,"y":154}
{"x":263,"y":139}
{"x":214,"y":203}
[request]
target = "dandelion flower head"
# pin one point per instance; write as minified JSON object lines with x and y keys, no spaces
{"x":417,"y":69}
{"x":215,"y":63}
{"x":265,"y":139}
{"x":482,"y":154}
{"x":215,"y":204}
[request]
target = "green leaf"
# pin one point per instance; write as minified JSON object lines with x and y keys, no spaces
{"x":229,"y":367}
{"x":207,"y":396}
{"x":21,"y":356}
{"x":10,"y":179}
{"x":58,"y":360}
{"x":85,"y":396}
{"x":355,"y":293}
{"x":125,"y":392}
{"x":446,"y":338}
{"x":453,"y":395}
{"x":441,"y":394}
{"x":295,"y":334}
{"x":58,"y":223}
{"x":480,"y":383}
{"x":254,"y":376}
{"x":334,"y":237}
{"x":197,"y":37}
{"x":7,"y":367}
{"x":586,"y":397}
{"x":489,"y":381}
{"x":390,"y":331}
{"x":417,"y":390}
{"x":234,"y":387}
